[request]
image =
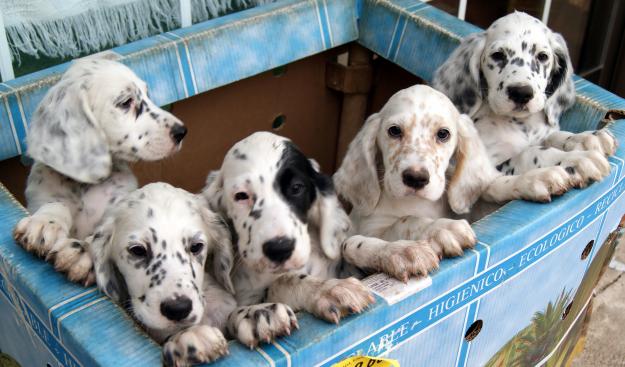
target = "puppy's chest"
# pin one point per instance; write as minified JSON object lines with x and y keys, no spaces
{"x":389,"y":211}
{"x":96,"y":198}
{"x":505,"y":137}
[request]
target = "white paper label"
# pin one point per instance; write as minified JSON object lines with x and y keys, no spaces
{"x":393,"y":290}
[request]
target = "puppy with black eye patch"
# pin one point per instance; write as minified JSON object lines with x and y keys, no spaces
{"x":166,"y":259}
{"x":88,"y":126}
{"x":515,"y":80}
{"x":288,"y":227}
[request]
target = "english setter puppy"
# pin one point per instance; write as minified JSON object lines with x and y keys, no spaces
{"x":166,"y":259}
{"x":95,"y":120}
{"x":515,"y":81}
{"x":395,"y":174}
{"x":288,"y":227}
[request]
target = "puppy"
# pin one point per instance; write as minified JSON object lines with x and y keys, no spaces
{"x":288,"y":227}
{"x":397,"y":173}
{"x":95,"y":120}
{"x":515,"y":81}
{"x":165,"y":258}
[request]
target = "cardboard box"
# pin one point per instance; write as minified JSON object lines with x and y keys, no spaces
{"x":522,"y":294}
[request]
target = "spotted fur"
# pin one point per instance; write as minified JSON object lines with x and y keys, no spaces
{"x":88,"y":126}
{"x":287,"y":227}
{"x":166,"y":259}
{"x":515,"y":80}
{"x":398,"y":174}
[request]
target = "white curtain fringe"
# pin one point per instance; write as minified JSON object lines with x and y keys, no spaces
{"x":100,"y":26}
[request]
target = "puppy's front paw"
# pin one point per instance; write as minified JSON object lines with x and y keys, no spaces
{"x":340,"y":297}
{"x":70,"y":256}
{"x":449,"y":237}
{"x":261,"y":323}
{"x":399,"y":259}
{"x":601,"y":141}
{"x":541,"y":184}
{"x":585,"y":167}
{"x":39,"y":233}
{"x":195,"y":345}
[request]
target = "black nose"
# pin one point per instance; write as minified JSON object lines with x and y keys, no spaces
{"x":177,"y":308}
{"x":279,"y":249}
{"x":415,"y":179}
{"x":520,"y":94}
{"x":178,"y":132}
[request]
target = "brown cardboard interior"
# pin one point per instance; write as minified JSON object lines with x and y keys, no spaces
{"x":219,"y":118}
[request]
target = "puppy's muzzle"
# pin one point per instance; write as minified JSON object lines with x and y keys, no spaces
{"x":415,"y":179}
{"x":176,"y":309}
{"x":279,"y":249}
{"x":520,"y":93}
{"x":178,"y":133}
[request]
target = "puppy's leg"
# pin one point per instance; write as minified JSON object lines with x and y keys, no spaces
{"x":400,"y":259}
{"x":328,"y":299}
{"x":583,"y":166}
{"x":261,"y":323}
{"x":448,"y":237}
{"x":601,"y":141}
{"x":195,"y":345}
{"x":539,"y":184}
{"x":39,"y":232}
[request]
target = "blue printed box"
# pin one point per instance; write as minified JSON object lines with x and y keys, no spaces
{"x":521,"y":295}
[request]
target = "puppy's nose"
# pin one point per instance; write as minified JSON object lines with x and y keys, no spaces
{"x":415,"y":179}
{"x":520,"y":94}
{"x":176,"y":309}
{"x":178,"y":132}
{"x":279,"y":249}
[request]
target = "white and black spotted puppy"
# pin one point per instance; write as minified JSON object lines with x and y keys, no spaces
{"x":88,"y":126}
{"x":410,"y":170}
{"x":515,"y":81}
{"x":166,"y":258}
{"x":288,"y":227}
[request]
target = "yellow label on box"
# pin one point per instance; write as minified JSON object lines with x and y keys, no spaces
{"x":364,"y":361}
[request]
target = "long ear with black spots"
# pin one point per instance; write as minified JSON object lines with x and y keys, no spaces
{"x":357,"y":179}
{"x":560,"y":89}
{"x":108,"y":277}
{"x":329,"y":217}
{"x":460,"y":77}
{"x":213,"y":192}
{"x":65,"y":135}
{"x":223,"y":258}
{"x":473,"y":170}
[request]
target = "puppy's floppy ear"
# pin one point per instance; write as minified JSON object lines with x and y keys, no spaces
{"x":460,"y":78}
{"x":108,"y":277}
{"x":65,"y":135}
{"x":560,"y":89}
{"x":223,"y":259}
{"x":473,"y":170}
{"x":213,"y":191}
{"x":357,"y":178}
{"x":330,"y":218}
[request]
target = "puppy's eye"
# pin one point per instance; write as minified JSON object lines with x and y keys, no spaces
{"x":498,"y":56}
{"x":443,"y":135}
{"x":296,"y":189}
{"x":138,"y":251}
{"x":239,"y":196}
{"x":394,"y":132}
{"x":125,"y":104}
{"x":542,"y":57}
{"x":196,"y":248}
